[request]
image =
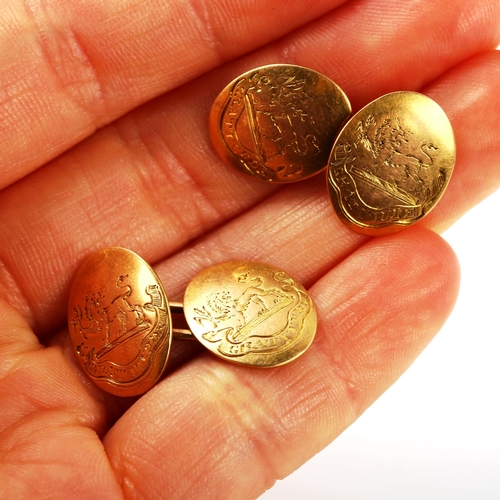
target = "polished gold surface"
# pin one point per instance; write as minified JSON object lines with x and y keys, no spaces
{"x":391,"y":163}
{"x":277,"y":123}
{"x":119,"y":322}
{"x":250,"y":313}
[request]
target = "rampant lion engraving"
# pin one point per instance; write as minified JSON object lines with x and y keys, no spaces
{"x":246,"y":323}
{"x":399,"y":163}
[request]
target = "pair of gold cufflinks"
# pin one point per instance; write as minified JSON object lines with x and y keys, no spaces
{"x":122,"y":325}
{"x":388,"y":165}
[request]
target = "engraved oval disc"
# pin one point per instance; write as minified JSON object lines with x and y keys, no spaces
{"x":250,"y":313}
{"x":277,"y":123}
{"x":391,"y":163}
{"x":119,"y":322}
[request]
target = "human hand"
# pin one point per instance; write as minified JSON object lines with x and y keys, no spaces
{"x":150,"y":181}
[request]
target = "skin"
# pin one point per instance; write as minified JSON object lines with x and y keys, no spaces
{"x":104,"y":141}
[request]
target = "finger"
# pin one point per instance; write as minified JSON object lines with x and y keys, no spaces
{"x":470,"y":106}
{"x":85,"y":63}
{"x":371,"y":47}
{"x":138,"y":186}
{"x":50,"y":423}
{"x":373,"y":324}
{"x":85,"y":105}
{"x":33,"y":378}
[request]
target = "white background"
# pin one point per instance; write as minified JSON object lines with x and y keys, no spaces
{"x":436,"y":433}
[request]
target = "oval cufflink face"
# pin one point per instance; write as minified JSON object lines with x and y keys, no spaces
{"x":250,"y":313}
{"x":391,"y":163}
{"x":119,"y":322}
{"x":277,"y":123}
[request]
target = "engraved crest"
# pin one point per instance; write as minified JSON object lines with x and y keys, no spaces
{"x":388,"y":167}
{"x":119,"y":322}
{"x":120,"y":337}
{"x":402,"y":165}
{"x":257,"y":315}
{"x":277,"y":123}
{"x":272,"y":115}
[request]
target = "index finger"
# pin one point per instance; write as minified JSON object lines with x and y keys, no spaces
{"x":85,"y":63}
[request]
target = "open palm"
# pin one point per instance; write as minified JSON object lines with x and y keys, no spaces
{"x":104,"y":141}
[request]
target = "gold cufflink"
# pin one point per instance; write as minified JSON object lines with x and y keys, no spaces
{"x":120,"y":320}
{"x":391,"y":163}
{"x":277,"y":123}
